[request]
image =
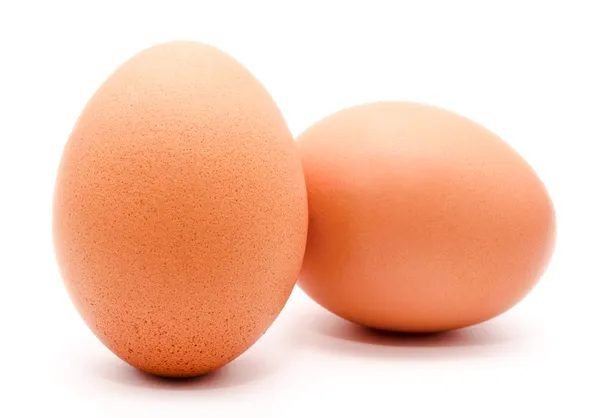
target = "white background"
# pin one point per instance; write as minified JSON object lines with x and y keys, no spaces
{"x":528,"y":70}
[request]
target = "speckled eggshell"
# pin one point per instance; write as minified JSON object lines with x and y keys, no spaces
{"x":180,"y":212}
{"x":420,"y":219}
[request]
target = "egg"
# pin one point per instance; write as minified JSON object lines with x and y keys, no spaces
{"x":180,"y":211}
{"x":420,"y":220}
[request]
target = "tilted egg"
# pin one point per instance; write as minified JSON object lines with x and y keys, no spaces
{"x":420,"y":219}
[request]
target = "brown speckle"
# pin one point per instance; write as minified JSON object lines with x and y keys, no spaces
{"x":180,"y":210}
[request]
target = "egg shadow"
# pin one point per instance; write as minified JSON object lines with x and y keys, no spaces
{"x":326,"y":332}
{"x":241,"y":371}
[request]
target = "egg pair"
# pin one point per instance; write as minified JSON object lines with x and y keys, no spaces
{"x":184,"y":212}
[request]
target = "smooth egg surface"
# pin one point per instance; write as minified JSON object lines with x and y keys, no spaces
{"x":420,"y":219}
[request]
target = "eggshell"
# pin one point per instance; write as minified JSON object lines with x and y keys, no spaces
{"x":420,"y":219}
{"x":180,"y":212}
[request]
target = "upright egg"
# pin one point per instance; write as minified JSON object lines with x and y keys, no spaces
{"x":420,"y":219}
{"x":180,"y":212}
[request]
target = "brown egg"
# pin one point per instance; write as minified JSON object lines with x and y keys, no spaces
{"x":420,"y":219}
{"x":180,"y":210}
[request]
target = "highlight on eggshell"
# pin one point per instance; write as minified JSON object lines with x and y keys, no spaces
{"x":420,"y":219}
{"x":180,"y":211}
